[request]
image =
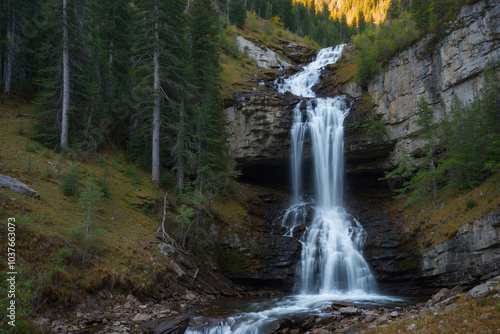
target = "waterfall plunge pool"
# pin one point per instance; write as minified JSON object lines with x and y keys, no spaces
{"x":252,"y":315}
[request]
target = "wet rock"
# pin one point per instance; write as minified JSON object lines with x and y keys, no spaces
{"x":171,"y":325}
{"x":349,"y":310}
{"x":338,"y":304}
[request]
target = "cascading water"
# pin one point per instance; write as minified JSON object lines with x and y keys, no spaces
{"x":331,"y":261}
{"x":331,"y":265}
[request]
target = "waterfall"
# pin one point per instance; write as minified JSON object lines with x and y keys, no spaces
{"x":331,"y":264}
{"x":331,"y":260}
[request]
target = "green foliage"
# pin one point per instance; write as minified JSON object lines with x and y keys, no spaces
{"x":229,"y":43}
{"x":377,"y":44}
{"x":374,"y":127}
{"x":29,"y":290}
{"x":421,"y":176}
{"x":237,"y":13}
{"x":82,"y":232}
{"x":70,"y":184}
{"x":471,"y":136}
{"x":470,"y":203}
{"x":31,"y":146}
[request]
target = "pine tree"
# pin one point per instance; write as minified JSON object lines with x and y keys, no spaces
{"x":212,"y":161}
{"x":16,"y":35}
{"x":160,"y":81}
{"x":237,"y":13}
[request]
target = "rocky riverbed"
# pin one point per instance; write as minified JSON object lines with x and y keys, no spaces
{"x":109,"y":312}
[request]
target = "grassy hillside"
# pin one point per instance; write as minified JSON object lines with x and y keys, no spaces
{"x":241,"y":73}
{"x":50,"y":231}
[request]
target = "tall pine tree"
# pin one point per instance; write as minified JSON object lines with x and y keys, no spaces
{"x":159,"y":77}
{"x":212,"y":164}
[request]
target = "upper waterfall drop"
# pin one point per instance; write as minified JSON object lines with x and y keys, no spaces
{"x":301,"y":83}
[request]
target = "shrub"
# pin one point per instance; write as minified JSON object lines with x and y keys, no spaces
{"x":70,"y":184}
{"x":470,"y":203}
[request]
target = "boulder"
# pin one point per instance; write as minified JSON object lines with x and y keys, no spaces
{"x":17,"y":186}
{"x":170,"y":325}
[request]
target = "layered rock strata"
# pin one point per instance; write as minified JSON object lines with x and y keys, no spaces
{"x":472,"y":255}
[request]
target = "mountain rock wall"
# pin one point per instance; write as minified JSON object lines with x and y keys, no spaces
{"x":470,"y":256}
{"x":453,"y":67}
{"x":259,"y":122}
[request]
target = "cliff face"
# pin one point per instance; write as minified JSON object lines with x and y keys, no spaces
{"x":260,"y":122}
{"x":470,"y":256}
{"x":454,"y":67}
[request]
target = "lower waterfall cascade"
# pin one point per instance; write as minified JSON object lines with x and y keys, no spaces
{"x":331,"y":265}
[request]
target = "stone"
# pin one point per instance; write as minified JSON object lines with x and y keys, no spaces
{"x":410,"y":327}
{"x":263,"y":58}
{"x":348,"y":310}
{"x":479,"y":291}
{"x":170,"y":325}
{"x":448,"y":301}
{"x":485,"y":316}
{"x":438,"y":297}
{"x":189,"y":296}
{"x":451,"y":308}
{"x":17,"y":186}
{"x":91,"y":318}
{"x":338,"y":304}
{"x":394,"y":314}
{"x":141,"y":317}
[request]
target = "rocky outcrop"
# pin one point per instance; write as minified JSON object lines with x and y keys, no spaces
{"x":266,"y":261}
{"x":258,"y":127}
{"x":259,"y":123}
{"x":455,"y":67}
{"x":389,"y":249}
{"x":254,"y":252}
{"x":263,"y":58}
{"x":471,"y":256}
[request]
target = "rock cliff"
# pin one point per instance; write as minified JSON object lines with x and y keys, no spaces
{"x":470,"y":256}
{"x":260,"y":123}
{"x":454,"y":67}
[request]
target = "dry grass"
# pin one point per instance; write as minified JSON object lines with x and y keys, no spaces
{"x":437,"y":222}
{"x":127,"y":220}
{"x":477,"y":316}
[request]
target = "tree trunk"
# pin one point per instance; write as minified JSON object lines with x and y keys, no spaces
{"x":155,"y":173}
{"x":180,"y":149}
{"x":10,"y":48}
{"x":66,"y":92}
